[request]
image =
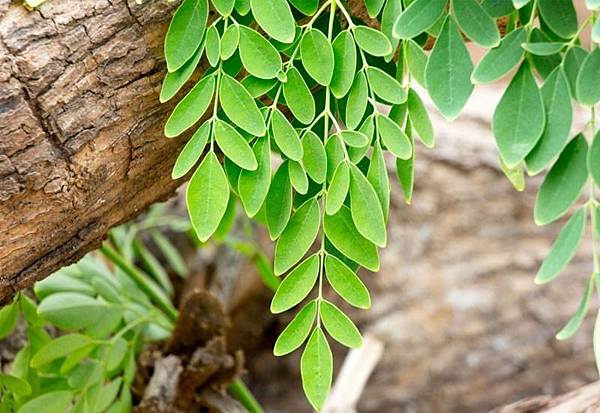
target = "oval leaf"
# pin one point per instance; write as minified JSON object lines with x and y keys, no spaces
{"x":346,"y":283}
{"x":296,"y":331}
{"x":339,"y":326}
{"x":296,"y":285}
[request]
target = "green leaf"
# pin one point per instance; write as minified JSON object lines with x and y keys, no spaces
{"x":372,"y":41}
{"x":298,"y":177}
{"x":240,"y":107}
{"x":559,"y":119}
{"x":596,"y":32}
{"x":366,"y":209}
{"x":223,"y":7}
{"x":335,"y":150}
{"x":543,"y":49}
{"x":474,"y":21}
{"x":317,"y":56}
{"x":191,"y":152}
{"x":379,"y":179}
{"x":588,"y":86}
{"x":563,"y":249}
{"x":298,"y":97}
{"x":298,"y":236}
{"x":307,"y":7}
{"x":519,"y":118}
{"x":419,"y":16}
{"x":419,"y":119}
{"x":500,"y":60}
{"x":253,"y":186}
{"x":560,"y":16}
{"x":593,"y":159}
{"x":71,"y":311}
{"x":279,"y":202}
{"x":405,"y":170}
{"x":15,"y":385}
{"x":338,"y":189}
{"x":344,"y":56}
{"x":191,"y":108}
{"x":448,"y":72}
{"x":339,"y":326}
{"x":498,"y":8}
{"x":275,"y":17}
{"x":374,"y":7}
{"x":296,"y":285}
{"x":571,"y":65}
{"x":341,"y":231}
{"x":391,"y":12}
{"x":258,"y":87}
{"x":516,"y":174}
{"x":575,"y":322}
{"x":230,"y":41}
{"x":417,"y":61}
{"x":85,"y":374}
{"x":107,"y":395}
{"x":297,"y":330}
{"x":52,"y":402}
{"x":286,"y":136}
{"x":385,"y":86}
{"x":207,"y":196}
{"x":213,"y":46}
{"x":9,"y":315}
{"x":59,"y":348}
{"x":393,"y":137}
{"x":564,"y":182}
{"x":346,"y":283}
{"x":234,"y":146}
{"x":242,"y":7}
{"x":259,"y":57}
{"x":314,"y":157}
{"x":316,"y":367}
{"x":170,"y":253}
{"x":153,"y":268}
{"x":518,"y":4}
{"x":354,"y":138}
{"x":174,"y":81}
{"x":185,"y":33}
{"x":357,"y":101}
{"x":543,"y":64}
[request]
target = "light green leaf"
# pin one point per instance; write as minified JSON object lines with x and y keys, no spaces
{"x":298,"y":97}
{"x":474,"y":21}
{"x":298,"y":177}
{"x":379,"y":179}
{"x":242,"y":7}
{"x":366,"y":209}
{"x":385,"y":86}
{"x":191,"y":108}
{"x":344,"y":56}
{"x":419,"y":119}
{"x":240,"y":107}
{"x":279,"y":202}
{"x":258,"y":87}
{"x":372,"y":41}
{"x":207,"y":196}
{"x":213,"y":46}
{"x":339,"y":326}
{"x":596,"y":32}
{"x":275,"y":17}
{"x":571,"y":65}
{"x":498,"y":8}
{"x":391,"y":12}
{"x":60,"y":282}
{"x":341,"y":231}
{"x":230,"y":41}
{"x":419,"y":16}
{"x":107,"y":395}
{"x":297,"y":330}
{"x":448,"y":72}
{"x":575,"y":322}
{"x":559,"y":119}
{"x":234,"y":146}
{"x":314,"y":157}
{"x":286,"y":136}
{"x":307,"y":7}
{"x":405,"y":169}
{"x":543,"y":48}
{"x":71,"y":311}
{"x":15,"y":385}
{"x":592,"y":4}
{"x":544,"y":65}
{"x":560,"y":16}
{"x":357,"y":101}
{"x":518,"y":4}
{"x":563,"y":249}
{"x":52,"y":402}
{"x":185,"y":33}
{"x":317,"y":56}
{"x":174,"y":81}
{"x":374,"y":7}
{"x":393,"y":137}
{"x":346,"y":283}
{"x":170,"y":253}
{"x":519,"y":118}
{"x":296,"y":285}
{"x":593,"y":160}
{"x":59,"y":348}
{"x":9,"y":315}
{"x":356,"y":154}
{"x":417,"y":61}
{"x":564,"y":182}
{"x":500,"y":60}
{"x":334,"y":148}
{"x":191,"y":152}
{"x":259,"y":57}
{"x":298,"y":236}
{"x":316,"y":366}
{"x":253,"y":186}
{"x":516,"y":174}
{"x":588,"y":86}
{"x":223,"y":7}
{"x":354,"y":138}
{"x":338,"y":189}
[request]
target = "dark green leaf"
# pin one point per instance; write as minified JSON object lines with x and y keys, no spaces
{"x":571,"y":64}
{"x":419,"y":16}
{"x":588,"y":86}
{"x":560,"y":16}
{"x":474,"y":21}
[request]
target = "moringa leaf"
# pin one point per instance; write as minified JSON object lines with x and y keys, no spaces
{"x":297,"y":331}
{"x":372,"y":41}
{"x":253,"y":186}
{"x":213,"y":46}
{"x":51,"y":402}
{"x":346,"y":283}
{"x":298,"y":97}
{"x":474,"y":21}
{"x":191,"y":108}
{"x":259,"y":57}
{"x":71,"y":311}
{"x":571,"y":65}
{"x":223,"y":7}
{"x":185,"y":33}
{"x":191,"y":152}
{"x":366,"y":209}
{"x":354,"y":138}
{"x":417,"y":61}
{"x":317,"y":56}
{"x":275,"y":17}
{"x":279,"y":202}
{"x":543,"y":48}
{"x":560,"y":16}
{"x":419,"y":119}
{"x":286,"y":136}
{"x":379,"y":179}
{"x":575,"y":322}
{"x":419,"y":16}
{"x":240,"y":107}
{"x":296,"y":285}
{"x":357,"y":101}
{"x":314,"y":157}
{"x":593,"y":160}
{"x":316,"y":367}
{"x":501,"y":59}
{"x":344,"y":56}
{"x":174,"y":81}
{"x":298,"y":177}
{"x":393,"y":137}
{"x":230,"y":41}
{"x":307,"y":7}
{"x":588,"y":86}
{"x":385,"y":86}
{"x":339,"y":326}
{"x":374,"y":7}
{"x":234,"y":146}
{"x":338,"y":189}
